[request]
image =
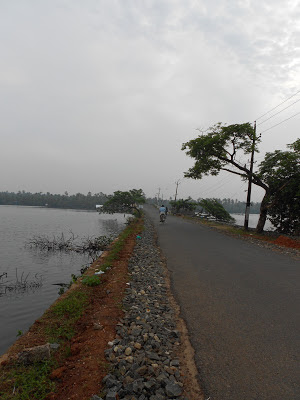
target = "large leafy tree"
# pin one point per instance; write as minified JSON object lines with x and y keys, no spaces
{"x":124,"y":202}
{"x":281,"y":171}
{"x":219,"y":149}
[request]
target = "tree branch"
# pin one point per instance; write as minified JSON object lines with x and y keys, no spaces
{"x":234,"y":149}
{"x":255,"y":179}
{"x":233,"y":172}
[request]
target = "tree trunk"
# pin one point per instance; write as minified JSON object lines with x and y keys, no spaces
{"x":138,"y":211}
{"x":263,"y":213}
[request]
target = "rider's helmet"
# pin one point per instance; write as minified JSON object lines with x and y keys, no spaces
{"x":162,"y":205}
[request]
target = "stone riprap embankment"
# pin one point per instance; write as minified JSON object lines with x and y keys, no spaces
{"x":143,"y":355}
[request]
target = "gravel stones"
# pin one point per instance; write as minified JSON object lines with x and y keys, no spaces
{"x":141,"y":356}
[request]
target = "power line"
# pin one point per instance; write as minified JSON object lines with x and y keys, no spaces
{"x":278,"y":105}
{"x":280,"y":123}
{"x":279,"y":112}
{"x":213,"y":188}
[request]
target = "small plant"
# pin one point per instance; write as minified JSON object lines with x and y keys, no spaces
{"x":91,"y":280}
{"x":61,"y":291}
{"x":105,"y":266}
{"x":74,"y":278}
{"x":20,"y":333}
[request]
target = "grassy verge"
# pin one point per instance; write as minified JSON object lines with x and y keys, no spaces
{"x":268,"y":236}
{"x":235,"y":230}
{"x":58,"y":325}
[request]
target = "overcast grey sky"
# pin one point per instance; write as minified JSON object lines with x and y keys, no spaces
{"x":99,"y":95}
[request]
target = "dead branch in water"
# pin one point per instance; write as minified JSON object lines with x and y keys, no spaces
{"x":21,"y":284}
{"x":57,"y":243}
{"x":87,"y":245}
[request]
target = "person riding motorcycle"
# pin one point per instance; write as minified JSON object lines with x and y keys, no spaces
{"x":162,"y":212}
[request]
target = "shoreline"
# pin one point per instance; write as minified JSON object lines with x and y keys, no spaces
{"x":94,"y":332}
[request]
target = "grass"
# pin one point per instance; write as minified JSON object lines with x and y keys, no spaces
{"x":27,"y":382}
{"x":117,"y":247}
{"x":64,"y":315}
{"x":91,"y":280}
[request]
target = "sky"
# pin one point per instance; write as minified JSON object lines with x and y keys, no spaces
{"x":100,"y":95}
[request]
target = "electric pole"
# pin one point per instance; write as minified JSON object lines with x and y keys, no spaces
{"x":247,"y":211}
{"x":158,"y":194}
{"x":176,"y":183}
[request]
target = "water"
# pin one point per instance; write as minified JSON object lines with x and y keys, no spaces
{"x":17,"y":224}
{"x":253,"y":219}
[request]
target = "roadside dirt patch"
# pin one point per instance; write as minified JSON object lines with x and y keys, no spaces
{"x":287,"y":242}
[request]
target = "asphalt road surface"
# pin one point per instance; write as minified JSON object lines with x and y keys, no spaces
{"x":241,"y":306}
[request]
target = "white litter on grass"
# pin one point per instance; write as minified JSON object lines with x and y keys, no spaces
{"x":99,"y":273}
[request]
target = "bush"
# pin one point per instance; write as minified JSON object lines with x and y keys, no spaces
{"x":91,"y":280}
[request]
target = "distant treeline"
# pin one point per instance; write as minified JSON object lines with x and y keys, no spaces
{"x":89,"y":201}
{"x":76,"y":201}
{"x":230,"y":205}
{"x":236,"y":206}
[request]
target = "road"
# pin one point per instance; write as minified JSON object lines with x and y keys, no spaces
{"x":240,"y":302}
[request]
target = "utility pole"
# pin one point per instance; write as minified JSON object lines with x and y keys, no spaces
{"x":176,"y":183}
{"x":247,"y":211}
{"x":158,"y":194}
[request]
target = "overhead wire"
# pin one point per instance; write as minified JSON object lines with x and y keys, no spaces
{"x":279,"y":123}
{"x":274,"y":108}
{"x":213,"y":188}
{"x":278,"y":112}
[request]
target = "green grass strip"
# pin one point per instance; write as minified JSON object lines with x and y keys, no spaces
{"x":27,"y":382}
{"x":64,"y":316}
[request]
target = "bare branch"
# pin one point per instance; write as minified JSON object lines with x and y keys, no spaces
{"x":233,"y":172}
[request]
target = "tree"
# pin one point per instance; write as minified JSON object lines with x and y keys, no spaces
{"x":281,"y":171}
{"x":214,"y":208}
{"x":218,"y":149}
{"x":124,"y":202}
{"x":183,"y":206}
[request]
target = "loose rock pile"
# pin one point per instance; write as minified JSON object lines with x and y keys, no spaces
{"x":142,"y":355}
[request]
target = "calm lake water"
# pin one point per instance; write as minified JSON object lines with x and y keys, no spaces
{"x":17,"y":224}
{"x":253,"y":219}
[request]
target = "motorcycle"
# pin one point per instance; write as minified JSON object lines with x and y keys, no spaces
{"x":162,"y":217}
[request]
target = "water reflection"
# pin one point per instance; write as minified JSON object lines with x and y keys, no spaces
{"x":111,"y":226}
